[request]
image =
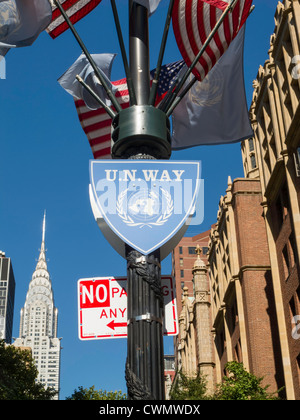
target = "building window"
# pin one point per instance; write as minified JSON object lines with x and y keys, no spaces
{"x":192,"y":250}
{"x":181,"y":262}
{"x":251,"y":145}
{"x":289,"y":254}
{"x":234,"y":315}
{"x":205,"y":250}
{"x":180,"y":250}
{"x":169,"y":362}
{"x":221,"y":342}
{"x":286,"y":263}
{"x":297,"y":161}
{"x":282,"y":205}
{"x":279,"y":211}
{"x":4,"y":269}
{"x":238,"y":352}
{"x":253,"y":161}
{"x":181,"y":273}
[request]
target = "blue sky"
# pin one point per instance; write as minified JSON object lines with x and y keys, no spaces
{"x":44,"y":158}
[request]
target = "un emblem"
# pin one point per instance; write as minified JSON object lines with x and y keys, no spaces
{"x":145,"y":208}
{"x":143,"y":203}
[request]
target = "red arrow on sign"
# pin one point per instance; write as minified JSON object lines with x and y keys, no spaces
{"x":114,"y":324}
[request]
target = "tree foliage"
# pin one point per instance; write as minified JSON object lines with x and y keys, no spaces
{"x":18,"y":376}
{"x":186,"y":388}
{"x":92,"y":394}
{"x":237,"y":384}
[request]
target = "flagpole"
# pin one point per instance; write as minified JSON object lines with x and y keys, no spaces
{"x":170,"y":108}
{"x":172,"y":94}
{"x":89,"y":57}
{"x":155,"y":81}
{"x":124,"y":55}
{"x":181,"y":96}
{"x":109,"y":111}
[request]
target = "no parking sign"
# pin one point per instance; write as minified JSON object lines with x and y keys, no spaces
{"x":102,"y":307}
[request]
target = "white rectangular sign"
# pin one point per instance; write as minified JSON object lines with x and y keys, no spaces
{"x":102,"y":307}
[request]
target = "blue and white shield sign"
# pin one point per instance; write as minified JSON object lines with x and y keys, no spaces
{"x":145,"y":203}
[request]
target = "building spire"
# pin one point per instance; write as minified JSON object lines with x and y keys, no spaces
{"x":42,"y":264}
{"x":199,"y":263}
{"x":44,"y":226}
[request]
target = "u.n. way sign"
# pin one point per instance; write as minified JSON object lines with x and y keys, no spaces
{"x":102,"y":307}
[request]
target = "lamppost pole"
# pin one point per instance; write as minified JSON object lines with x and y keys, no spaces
{"x":139,"y":51}
{"x":145,"y":355}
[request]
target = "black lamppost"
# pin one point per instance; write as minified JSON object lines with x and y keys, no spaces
{"x":142,"y":131}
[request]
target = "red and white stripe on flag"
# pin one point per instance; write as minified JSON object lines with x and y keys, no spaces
{"x":194,"y":20}
{"x":97,"y":123}
{"x":76,"y":10}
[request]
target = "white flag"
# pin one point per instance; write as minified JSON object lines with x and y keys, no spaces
{"x":150,"y":4}
{"x":21,"y":22}
{"x":215,"y":110}
{"x":83,"y":68}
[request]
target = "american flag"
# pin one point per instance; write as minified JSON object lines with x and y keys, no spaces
{"x":76,"y":10}
{"x":194,"y":20}
{"x":97,"y":123}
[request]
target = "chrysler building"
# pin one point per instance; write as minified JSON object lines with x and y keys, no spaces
{"x":38,"y":324}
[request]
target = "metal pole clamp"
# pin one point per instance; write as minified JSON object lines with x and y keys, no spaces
{"x":146,"y":317}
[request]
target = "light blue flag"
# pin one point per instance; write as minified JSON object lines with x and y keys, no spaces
{"x":21,"y":22}
{"x":150,"y":4}
{"x":215,"y":110}
{"x":83,"y":68}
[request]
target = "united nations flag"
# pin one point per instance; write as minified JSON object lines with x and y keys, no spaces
{"x":21,"y":22}
{"x":215,"y":110}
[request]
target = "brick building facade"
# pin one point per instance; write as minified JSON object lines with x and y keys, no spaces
{"x":243,"y":306}
{"x":275,"y":117}
{"x":183,"y":259}
{"x":254,"y":248}
{"x":232,"y":315}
